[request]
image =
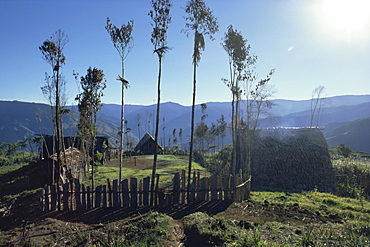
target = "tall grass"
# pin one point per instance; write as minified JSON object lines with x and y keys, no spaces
{"x":352,"y":177}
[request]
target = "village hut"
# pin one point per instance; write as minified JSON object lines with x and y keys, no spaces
{"x":47,"y":148}
{"x":147,"y":145}
{"x":292,"y":159}
{"x":74,"y":164}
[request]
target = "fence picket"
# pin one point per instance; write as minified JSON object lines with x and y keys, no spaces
{"x":53,"y":197}
{"x":65,"y":196}
{"x":83,"y":196}
{"x":176,"y":188}
{"x":75,"y":196}
{"x":46,"y":198}
{"x":115,"y":194}
{"x":125,"y":194}
{"x":146,"y":183}
{"x":88,"y":198}
{"x":133,"y":191}
{"x":109,"y":194}
{"x":104,"y":196}
{"x":183,"y":180}
{"x":140,"y":193}
{"x":203,"y":188}
{"x":214,"y":188}
{"x":98,"y":190}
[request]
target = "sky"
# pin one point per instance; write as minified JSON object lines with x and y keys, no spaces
{"x":309,"y":43}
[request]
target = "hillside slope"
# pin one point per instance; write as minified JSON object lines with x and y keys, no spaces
{"x":21,"y":120}
{"x":354,"y":134}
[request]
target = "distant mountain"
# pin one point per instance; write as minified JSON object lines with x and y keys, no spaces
{"x":354,"y":134}
{"x":20,"y":120}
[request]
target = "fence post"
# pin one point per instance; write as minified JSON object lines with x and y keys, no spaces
{"x":225,"y":185}
{"x":53,"y":197}
{"x":125,"y":194}
{"x":77,"y":193}
{"x":88,"y":198}
{"x":197,"y":190}
{"x":238,"y":189}
{"x":156,"y":190}
{"x":176,"y":189}
{"x":220,"y":187}
{"x":207,"y":188}
{"x":146,"y":183}
{"x":140,"y":193}
{"x":98,"y":190}
{"x":214,"y":188}
{"x":191,"y":191}
{"x":115,"y":194}
{"x":83,"y":196}
{"x":183,"y":180}
{"x":133,"y":190}
{"x":203,"y":189}
{"x":104,"y":196}
{"x":232,"y":187}
{"x":65,"y":196}
{"x":46,"y":198}
{"x":109,"y":199}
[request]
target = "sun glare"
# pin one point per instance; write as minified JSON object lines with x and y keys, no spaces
{"x":350,"y":15}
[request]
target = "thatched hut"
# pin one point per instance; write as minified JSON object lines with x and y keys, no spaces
{"x":147,"y":145}
{"x":75,"y":165}
{"x":292,"y":158}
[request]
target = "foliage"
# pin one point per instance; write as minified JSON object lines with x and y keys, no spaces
{"x":243,"y":83}
{"x":89,"y":102}
{"x":9,"y":155}
{"x":152,"y":230}
{"x":200,"y":19}
{"x":121,"y":37}
{"x":161,"y":18}
{"x":344,"y":150}
{"x":353,"y":177}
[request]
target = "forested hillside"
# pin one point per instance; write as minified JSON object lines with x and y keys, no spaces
{"x":345,"y":118}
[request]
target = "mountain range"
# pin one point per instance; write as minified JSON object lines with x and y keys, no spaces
{"x":344,"y":119}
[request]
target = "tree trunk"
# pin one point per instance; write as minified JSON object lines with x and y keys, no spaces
{"x":156,"y":130}
{"x":122,"y":124}
{"x":59,"y":132}
{"x":192,"y":124}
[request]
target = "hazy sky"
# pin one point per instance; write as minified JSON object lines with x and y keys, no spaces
{"x":308,"y":42}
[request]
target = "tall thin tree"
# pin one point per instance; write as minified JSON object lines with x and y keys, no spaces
{"x":123,"y":42}
{"x":89,"y":103}
{"x":238,"y":51}
{"x":201,"y":21}
{"x":161,"y":20}
{"x":52,"y":52}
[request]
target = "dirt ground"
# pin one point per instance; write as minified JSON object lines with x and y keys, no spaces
{"x":27,"y":222}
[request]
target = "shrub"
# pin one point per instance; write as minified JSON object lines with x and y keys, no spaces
{"x":352,"y":178}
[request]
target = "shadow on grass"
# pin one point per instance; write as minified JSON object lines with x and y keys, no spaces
{"x":26,"y":210}
{"x":106,"y":215}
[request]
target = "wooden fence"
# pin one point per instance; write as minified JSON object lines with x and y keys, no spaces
{"x":134,"y":193}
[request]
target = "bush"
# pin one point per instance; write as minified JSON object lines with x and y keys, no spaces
{"x":352,"y":178}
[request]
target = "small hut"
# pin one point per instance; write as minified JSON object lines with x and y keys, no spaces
{"x":74,"y":166}
{"x":292,"y":158}
{"x":147,"y":145}
{"x":48,"y":149}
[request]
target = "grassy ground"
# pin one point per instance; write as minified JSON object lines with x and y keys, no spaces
{"x":268,"y":218}
{"x":141,"y":166}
